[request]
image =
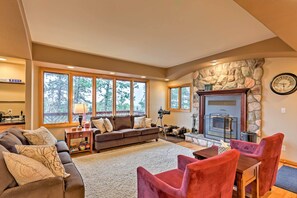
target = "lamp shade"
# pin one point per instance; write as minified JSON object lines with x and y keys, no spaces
{"x":80,"y":108}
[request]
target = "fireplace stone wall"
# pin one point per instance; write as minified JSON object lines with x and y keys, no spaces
{"x":234,"y":75}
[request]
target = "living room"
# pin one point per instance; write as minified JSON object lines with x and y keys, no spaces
{"x":95,"y":75}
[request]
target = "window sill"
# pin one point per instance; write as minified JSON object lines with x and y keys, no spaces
{"x":60,"y":125}
{"x":180,"y":110}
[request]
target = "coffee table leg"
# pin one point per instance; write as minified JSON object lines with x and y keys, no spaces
{"x":240,"y":186}
{"x":255,"y":184}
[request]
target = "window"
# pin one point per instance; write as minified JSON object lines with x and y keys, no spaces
{"x":82,"y":94}
{"x":123,"y":97}
{"x":185,"y":97}
{"x":139,"y":101}
{"x":174,"y":98}
{"x":180,"y":98}
{"x":104,"y":97}
{"x":55,"y":98}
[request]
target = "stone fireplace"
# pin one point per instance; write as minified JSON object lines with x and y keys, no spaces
{"x":243,"y":74}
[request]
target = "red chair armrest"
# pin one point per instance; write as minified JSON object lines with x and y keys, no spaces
{"x":149,"y":184}
{"x":182,"y":161}
{"x":243,"y":147}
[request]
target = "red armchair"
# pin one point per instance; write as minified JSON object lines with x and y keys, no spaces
{"x":209,"y":178}
{"x":268,"y":152}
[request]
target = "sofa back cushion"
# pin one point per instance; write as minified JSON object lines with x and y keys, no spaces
{"x":122,"y":122}
{"x":111,"y":119}
{"x":7,"y":180}
{"x":9,"y":141}
{"x":19,"y":134}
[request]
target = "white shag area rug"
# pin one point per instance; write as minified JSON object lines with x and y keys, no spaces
{"x":112,"y":174}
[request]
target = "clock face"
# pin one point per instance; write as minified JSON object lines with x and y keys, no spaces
{"x":284,"y":84}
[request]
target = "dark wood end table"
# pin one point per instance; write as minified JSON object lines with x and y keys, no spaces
{"x":83,"y":133}
{"x":247,"y":171}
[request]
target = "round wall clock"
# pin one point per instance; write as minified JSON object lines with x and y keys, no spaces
{"x":284,"y":84}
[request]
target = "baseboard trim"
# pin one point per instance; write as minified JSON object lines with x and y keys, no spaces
{"x":288,"y":162}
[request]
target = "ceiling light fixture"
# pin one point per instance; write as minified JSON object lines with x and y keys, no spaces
{"x":166,"y":79}
{"x":143,"y":76}
{"x":112,"y":73}
{"x":70,"y":67}
{"x":3,"y":59}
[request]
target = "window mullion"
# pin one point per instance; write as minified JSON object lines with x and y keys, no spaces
{"x":114,"y":97}
{"x":179,"y":98}
{"x":70,"y":97}
{"x":94,"y":102}
{"x":131,"y":97}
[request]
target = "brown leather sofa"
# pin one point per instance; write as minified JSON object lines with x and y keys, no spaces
{"x":122,"y":134}
{"x":57,"y":187}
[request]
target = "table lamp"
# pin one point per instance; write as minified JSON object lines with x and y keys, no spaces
{"x":80,"y":109}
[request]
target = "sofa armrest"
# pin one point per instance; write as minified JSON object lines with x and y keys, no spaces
{"x":243,"y":147}
{"x":183,"y":161}
{"x":51,"y":187}
{"x":96,"y":131}
{"x":150,"y":186}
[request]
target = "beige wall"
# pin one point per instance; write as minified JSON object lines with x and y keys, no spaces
{"x":273,"y":120}
{"x":12,"y":92}
{"x":158,"y":95}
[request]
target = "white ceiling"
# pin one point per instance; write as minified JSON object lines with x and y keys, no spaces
{"x":161,"y":33}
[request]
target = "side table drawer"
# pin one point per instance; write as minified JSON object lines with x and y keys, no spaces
{"x":79,"y":135}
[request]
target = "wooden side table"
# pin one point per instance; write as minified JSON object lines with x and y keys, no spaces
{"x":83,"y":133}
{"x":247,"y":171}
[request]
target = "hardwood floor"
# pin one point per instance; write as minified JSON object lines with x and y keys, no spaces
{"x":275,"y":192}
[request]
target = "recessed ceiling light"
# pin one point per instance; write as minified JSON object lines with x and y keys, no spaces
{"x":70,"y":67}
{"x":2,"y":59}
{"x":166,"y":79}
{"x":112,"y":73}
{"x":143,"y":76}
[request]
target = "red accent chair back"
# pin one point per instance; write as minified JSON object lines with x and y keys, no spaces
{"x":209,"y":178}
{"x":268,"y":151}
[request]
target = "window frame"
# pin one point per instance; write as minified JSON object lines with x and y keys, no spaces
{"x":70,"y":74}
{"x":179,"y":109}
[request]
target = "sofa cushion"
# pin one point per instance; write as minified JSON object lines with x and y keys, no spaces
{"x":25,"y":169}
{"x":108,"y":125}
{"x":147,"y":131}
{"x":65,"y":157}
{"x":111,"y":119}
{"x":108,"y":136}
{"x":134,"y":116}
{"x":130,"y":132}
{"x":122,"y":122}
{"x":7,"y":180}
{"x":45,"y":154}
{"x":62,"y":146}
{"x":99,"y":124}
{"x":19,"y":134}
{"x":41,"y":136}
{"x":9,"y":141}
{"x":74,"y":186}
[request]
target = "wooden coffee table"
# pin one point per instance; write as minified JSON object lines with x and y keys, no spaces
{"x":247,"y":171}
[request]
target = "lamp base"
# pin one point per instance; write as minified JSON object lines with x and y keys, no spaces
{"x":80,"y":117}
